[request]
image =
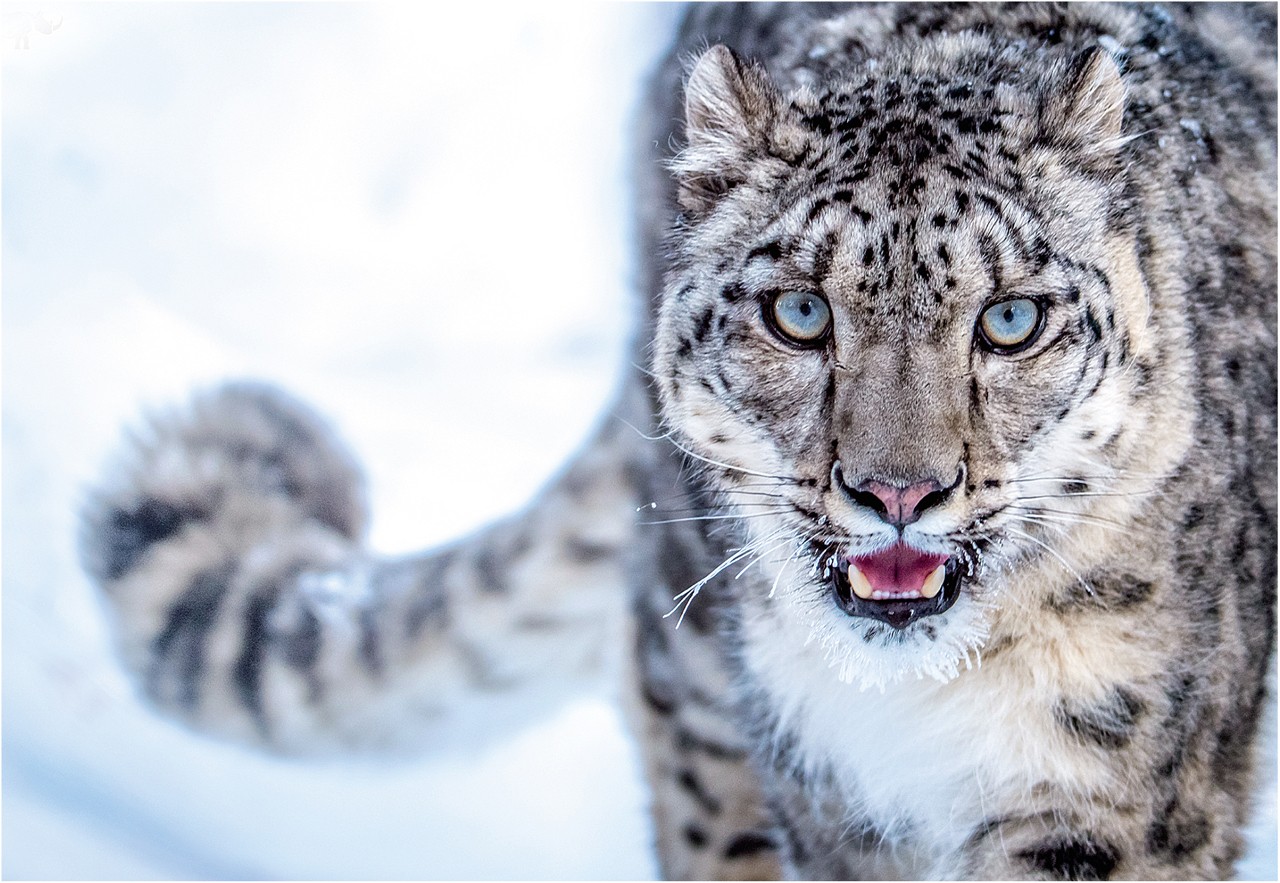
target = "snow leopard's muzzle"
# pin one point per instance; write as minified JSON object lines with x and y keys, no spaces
{"x":899,"y":584}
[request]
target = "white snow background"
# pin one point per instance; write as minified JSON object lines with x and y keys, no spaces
{"x":416,"y":219}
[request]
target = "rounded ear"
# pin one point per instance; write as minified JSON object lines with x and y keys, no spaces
{"x":725,"y":98}
{"x":1090,"y":109}
{"x":729,"y":109}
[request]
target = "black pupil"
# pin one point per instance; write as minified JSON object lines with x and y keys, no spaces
{"x":806,"y":307}
{"x":1008,"y":314}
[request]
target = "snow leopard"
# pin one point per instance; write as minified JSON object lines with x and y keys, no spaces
{"x":937,"y":520}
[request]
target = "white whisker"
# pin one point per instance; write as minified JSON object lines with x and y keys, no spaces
{"x":686,"y":597}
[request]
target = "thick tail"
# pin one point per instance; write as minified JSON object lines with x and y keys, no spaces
{"x":228,"y":541}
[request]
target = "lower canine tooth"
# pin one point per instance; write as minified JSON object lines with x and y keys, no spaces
{"x":861,"y":587}
{"x":933,"y":582}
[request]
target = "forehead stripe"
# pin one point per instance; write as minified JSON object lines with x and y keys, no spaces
{"x":1030,"y":246}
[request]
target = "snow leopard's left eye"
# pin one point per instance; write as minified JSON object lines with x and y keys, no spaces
{"x":799,"y":317}
{"x":1011,"y":325}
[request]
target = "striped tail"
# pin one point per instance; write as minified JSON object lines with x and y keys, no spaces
{"x":228,"y":542}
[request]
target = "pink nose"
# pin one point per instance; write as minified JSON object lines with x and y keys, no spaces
{"x":900,"y":505}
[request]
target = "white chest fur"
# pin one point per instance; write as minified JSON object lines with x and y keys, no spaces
{"x":920,"y":759}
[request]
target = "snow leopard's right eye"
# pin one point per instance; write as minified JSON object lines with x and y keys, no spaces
{"x":801,"y":318}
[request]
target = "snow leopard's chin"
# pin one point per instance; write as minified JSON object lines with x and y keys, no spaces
{"x":869,"y":651}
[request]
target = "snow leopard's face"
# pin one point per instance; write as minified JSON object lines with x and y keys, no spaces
{"x":905,"y":334}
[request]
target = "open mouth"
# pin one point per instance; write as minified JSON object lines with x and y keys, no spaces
{"x":897,"y":585}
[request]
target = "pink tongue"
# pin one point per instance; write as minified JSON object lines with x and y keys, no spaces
{"x":898,"y":568}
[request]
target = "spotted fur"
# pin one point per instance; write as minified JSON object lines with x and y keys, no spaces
{"x":1084,"y":708}
{"x":913,"y":164}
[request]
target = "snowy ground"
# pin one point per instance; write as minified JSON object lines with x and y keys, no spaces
{"x":415,"y":222}
{"x":419,"y":224}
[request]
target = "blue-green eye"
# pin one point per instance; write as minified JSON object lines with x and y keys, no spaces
{"x":1011,"y":324}
{"x":800,"y":317}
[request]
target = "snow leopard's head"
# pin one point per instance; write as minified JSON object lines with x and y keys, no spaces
{"x":905,"y":333}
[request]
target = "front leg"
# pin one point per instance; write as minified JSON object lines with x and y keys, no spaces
{"x":1148,"y":800}
{"x":709,"y":814}
{"x":1098,"y":842}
